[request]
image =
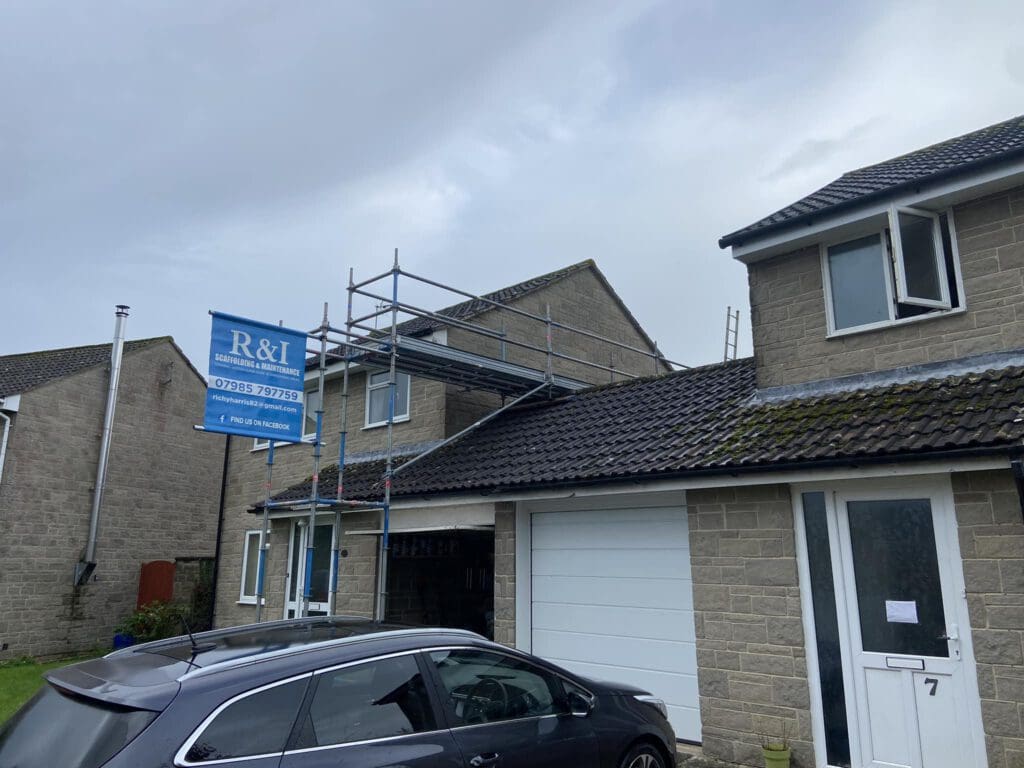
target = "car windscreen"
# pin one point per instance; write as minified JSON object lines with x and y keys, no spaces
{"x":56,"y":729}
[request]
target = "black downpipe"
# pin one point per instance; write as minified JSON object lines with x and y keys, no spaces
{"x":220,"y":528}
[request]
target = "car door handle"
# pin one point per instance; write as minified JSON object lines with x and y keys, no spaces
{"x":480,"y":761}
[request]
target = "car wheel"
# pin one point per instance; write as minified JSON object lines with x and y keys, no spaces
{"x":643,"y":756}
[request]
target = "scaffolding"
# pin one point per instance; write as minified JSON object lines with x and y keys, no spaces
{"x":388,"y":349}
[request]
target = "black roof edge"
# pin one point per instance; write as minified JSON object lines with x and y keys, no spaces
{"x":1011,"y":451}
{"x":742,"y":236}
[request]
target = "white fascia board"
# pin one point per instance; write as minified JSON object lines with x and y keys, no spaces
{"x":10,"y":403}
{"x":724,"y":480}
{"x":832,"y":226}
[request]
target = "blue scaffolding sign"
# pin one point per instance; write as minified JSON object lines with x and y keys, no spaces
{"x":256,"y":379}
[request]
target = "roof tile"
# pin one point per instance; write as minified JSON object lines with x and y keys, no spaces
{"x":962,"y":154}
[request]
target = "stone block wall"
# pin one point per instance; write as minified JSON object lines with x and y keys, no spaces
{"x":163,"y":488}
{"x":752,"y":671}
{"x":988,"y":513}
{"x":788,"y":306}
{"x":505,"y":573}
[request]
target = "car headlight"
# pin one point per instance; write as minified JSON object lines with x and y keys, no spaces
{"x":655,"y":702}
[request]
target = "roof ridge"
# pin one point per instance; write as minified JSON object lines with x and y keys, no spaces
{"x":933,"y":146}
{"x":147,"y":340}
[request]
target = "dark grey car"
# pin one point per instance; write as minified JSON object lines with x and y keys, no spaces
{"x":313,"y":693}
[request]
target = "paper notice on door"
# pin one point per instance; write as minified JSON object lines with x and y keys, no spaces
{"x":901,"y":611}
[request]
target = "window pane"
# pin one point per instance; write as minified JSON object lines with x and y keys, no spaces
{"x":484,"y":687}
{"x":896,"y":568}
{"x":256,"y":725}
{"x":321,"y":581}
{"x":826,"y":625}
{"x":252,"y":554}
{"x":857,"y":279}
{"x":402,"y":395}
{"x":379,"y":378}
{"x":298,"y":556}
{"x":371,"y":701}
{"x":312,"y":404}
{"x":378,"y":406}
{"x":917,"y":238}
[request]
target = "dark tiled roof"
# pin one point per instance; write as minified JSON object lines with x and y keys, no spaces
{"x":705,"y":420}
{"x":20,"y":373}
{"x":961,"y":155}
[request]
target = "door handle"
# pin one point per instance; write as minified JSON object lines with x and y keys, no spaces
{"x":481,"y":761}
{"x":952,"y":633}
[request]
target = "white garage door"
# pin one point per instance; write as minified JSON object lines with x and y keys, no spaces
{"x":613,"y":600}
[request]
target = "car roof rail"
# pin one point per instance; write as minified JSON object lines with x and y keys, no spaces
{"x":241,"y":661}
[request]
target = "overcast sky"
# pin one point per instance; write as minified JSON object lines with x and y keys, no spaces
{"x":241,"y":156}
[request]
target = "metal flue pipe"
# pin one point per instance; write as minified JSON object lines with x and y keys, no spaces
{"x":88,"y":563}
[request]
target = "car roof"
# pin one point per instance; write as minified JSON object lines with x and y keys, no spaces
{"x":149,"y":675}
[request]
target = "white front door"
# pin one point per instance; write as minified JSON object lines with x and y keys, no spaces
{"x":890,"y":660}
{"x":295,"y":584}
{"x":905,"y":617}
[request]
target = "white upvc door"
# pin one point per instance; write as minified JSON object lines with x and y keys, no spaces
{"x":906,"y":613}
{"x":295,"y":583}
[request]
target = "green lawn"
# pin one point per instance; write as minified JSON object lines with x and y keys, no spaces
{"x":20,"y":679}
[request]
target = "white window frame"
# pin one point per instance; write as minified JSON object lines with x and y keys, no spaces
{"x":367,"y":424}
{"x":242,"y":597}
{"x":892,"y":273}
{"x":899,"y":264}
{"x":261,"y":445}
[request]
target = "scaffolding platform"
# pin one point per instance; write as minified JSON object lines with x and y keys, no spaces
{"x":429,"y":360}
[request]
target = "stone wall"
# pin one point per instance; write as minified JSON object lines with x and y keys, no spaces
{"x":505,"y":573}
{"x":988,"y":513}
{"x":161,"y":503}
{"x":788,"y":306}
{"x":752,"y":672}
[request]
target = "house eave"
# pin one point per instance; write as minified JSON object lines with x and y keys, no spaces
{"x":936,"y":192}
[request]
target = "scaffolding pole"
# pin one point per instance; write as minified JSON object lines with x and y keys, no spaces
{"x":382,"y":557}
{"x":314,"y":496}
{"x":342,"y":440}
{"x":261,"y":566}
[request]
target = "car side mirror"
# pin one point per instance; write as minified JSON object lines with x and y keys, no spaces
{"x":579,"y":705}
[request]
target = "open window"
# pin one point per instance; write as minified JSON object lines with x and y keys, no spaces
{"x":918,"y":261}
{"x":896,"y":273}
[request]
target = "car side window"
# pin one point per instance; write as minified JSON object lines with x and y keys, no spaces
{"x":257,"y":724}
{"x":373,"y":700}
{"x":485,"y":687}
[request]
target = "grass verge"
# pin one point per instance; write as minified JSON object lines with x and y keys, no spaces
{"x":20,"y":679}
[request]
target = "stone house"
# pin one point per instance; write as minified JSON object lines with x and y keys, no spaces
{"x":444,"y":558}
{"x":161,"y":500}
{"x":824,"y":541}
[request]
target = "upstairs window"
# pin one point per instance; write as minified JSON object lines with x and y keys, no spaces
{"x":906,"y":270}
{"x":377,"y":396}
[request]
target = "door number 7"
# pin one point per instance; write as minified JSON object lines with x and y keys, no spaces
{"x":933,"y":682}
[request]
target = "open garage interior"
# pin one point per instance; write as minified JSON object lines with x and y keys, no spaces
{"x":443,"y":578}
{"x":610,"y":596}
